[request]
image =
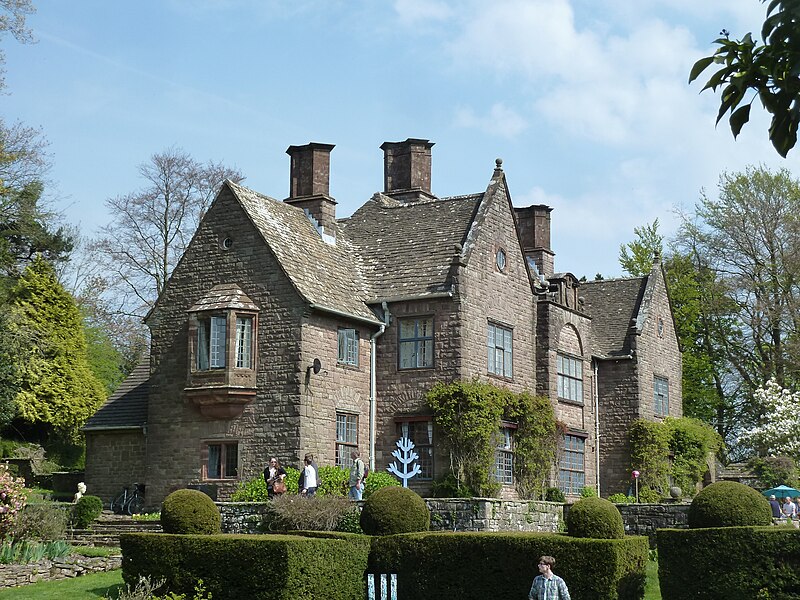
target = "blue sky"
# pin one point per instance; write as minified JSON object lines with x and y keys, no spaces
{"x":586,"y":101}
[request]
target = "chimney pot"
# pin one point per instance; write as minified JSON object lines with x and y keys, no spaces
{"x":309,"y":185}
{"x":407,"y":169}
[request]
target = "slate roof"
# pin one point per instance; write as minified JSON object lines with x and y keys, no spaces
{"x":409,"y":249}
{"x":222,"y":296}
{"x":326,"y":275}
{"x":127,"y":406}
{"x":612,"y":304}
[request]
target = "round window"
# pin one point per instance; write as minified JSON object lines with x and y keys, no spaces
{"x":501,"y":259}
{"x":226,"y":243}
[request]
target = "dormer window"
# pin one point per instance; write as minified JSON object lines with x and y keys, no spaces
{"x":222,"y":352}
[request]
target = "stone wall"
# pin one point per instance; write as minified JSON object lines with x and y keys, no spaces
{"x":447,"y":514}
{"x":114,"y":460}
{"x":644,"y":519}
{"x":51,"y":570}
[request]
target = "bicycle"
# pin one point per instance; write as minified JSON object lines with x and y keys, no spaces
{"x":129,"y":502}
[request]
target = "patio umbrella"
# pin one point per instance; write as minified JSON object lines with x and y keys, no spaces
{"x":782,"y":491}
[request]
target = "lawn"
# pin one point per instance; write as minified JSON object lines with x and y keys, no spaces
{"x":95,"y":586}
{"x":105,"y":585}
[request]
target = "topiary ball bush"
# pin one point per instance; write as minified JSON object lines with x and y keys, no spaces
{"x":190,"y":511}
{"x":729,"y":504}
{"x":393,"y":510}
{"x":595,"y":518}
{"x":86,"y":510}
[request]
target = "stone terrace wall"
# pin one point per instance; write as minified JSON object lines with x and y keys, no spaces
{"x":447,"y":514}
{"x":50,"y":570}
{"x":644,"y":519}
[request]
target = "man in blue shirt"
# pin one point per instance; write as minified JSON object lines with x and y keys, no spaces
{"x":547,"y":585}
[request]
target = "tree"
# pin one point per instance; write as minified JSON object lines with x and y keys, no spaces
{"x":152,"y":227}
{"x":771,"y":71}
{"x":13,"y":14}
{"x":636,"y":257}
{"x":57,"y":390}
{"x":744,"y":247}
{"x":777,"y":431}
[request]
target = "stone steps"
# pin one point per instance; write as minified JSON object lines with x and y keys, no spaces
{"x":106,"y":530}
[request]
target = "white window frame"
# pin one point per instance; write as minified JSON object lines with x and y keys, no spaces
{"x":500,"y":343}
{"x":504,"y":456}
{"x":415,"y":347}
{"x":346,"y":438}
{"x":661,"y":396}
{"x":570,"y":378}
{"x":348,"y":347}
{"x":572,"y":464}
{"x":211,"y":342}
{"x":244,"y":342}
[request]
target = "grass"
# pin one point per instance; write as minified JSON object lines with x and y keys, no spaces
{"x":94,"y":587}
{"x":652,"y":591}
{"x":94,"y":551}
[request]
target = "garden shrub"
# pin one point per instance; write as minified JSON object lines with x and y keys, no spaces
{"x":393,"y":510}
{"x":190,"y":511}
{"x":296,"y":513}
{"x":588,"y":492}
{"x":431,"y":566}
{"x":729,"y":504}
{"x":12,"y":499}
{"x":350,"y":520}
{"x":554,"y":494}
{"x":333,"y":481}
{"x":595,"y":518}
{"x":649,"y":496}
{"x":44,"y":521}
{"x":449,"y":487}
{"x":86,"y":510}
{"x":285,"y":567}
{"x":378,"y":480}
{"x":621,"y":499}
{"x":734,"y":563}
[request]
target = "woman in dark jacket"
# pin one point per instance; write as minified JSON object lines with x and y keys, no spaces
{"x":273,"y":473}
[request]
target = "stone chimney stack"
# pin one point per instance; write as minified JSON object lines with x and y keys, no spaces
{"x":533,"y":224}
{"x":309,"y":185}
{"x":407,"y":169}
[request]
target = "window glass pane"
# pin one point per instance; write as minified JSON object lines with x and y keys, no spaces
{"x":416,"y":343}
{"x":348,"y":346}
{"x":421,"y":433}
{"x":202,"y":344}
{"x":570,"y":378}
{"x":244,"y":342}
{"x":500,"y":343}
{"x":217,"y":342}
{"x":571,"y":476}
{"x":346,"y":438}
{"x":231,"y":461}
{"x":214,"y":467}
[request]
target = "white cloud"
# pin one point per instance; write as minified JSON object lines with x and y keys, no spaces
{"x":415,"y":12}
{"x":500,"y":120}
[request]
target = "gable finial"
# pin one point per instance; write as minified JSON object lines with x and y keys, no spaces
{"x":498,"y":164}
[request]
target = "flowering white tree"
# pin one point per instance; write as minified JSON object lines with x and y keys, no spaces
{"x":778,"y":432}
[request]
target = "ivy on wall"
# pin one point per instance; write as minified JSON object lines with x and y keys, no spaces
{"x":674,"y":449}
{"x":469,"y":414}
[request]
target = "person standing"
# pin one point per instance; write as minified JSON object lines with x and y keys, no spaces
{"x":356,"y":481}
{"x":273,"y":474}
{"x":776,"y":507}
{"x":547,"y":585}
{"x":789,"y":509}
{"x":309,"y":478}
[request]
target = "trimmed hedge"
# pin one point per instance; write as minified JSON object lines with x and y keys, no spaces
{"x":392,"y":510}
{"x":729,"y":504}
{"x":595,"y":518}
{"x":86,"y":510}
{"x":468,"y":566}
{"x":190,"y":511}
{"x":734,"y":563}
{"x":268,"y":567}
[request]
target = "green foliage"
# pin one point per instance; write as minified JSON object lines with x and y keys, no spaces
{"x":448,"y":486}
{"x":773,"y":471}
{"x":767,"y":71}
{"x":41,"y":521}
{"x":86,"y":510}
{"x":57,"y":389}
{"x":731,"y":562}
{"x":469,"y":415}
{"x":333,"y":481}
{"x":554,"y":494}
{"x":190,"y":511}
{"x":649,"y":496}
{"x":28,"y":551}
{"x":622,"y":499}
{"x":393,"y":510}
{"x":290,"y":512}
{"x":350,"y":520}
{"x":636,"y":257}
{"x":595,"y":518}
{"x":588,"y":492}
{"x":301,"y":567}
{"x":378,"y":480}
{"x":454,"y":565}
{"x":690,"y":442}
{"x":12,"y":500}
{"x":729,"y":504}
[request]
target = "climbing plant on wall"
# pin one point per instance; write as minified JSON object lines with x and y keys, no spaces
{"x":675,"y":450}
{"x":468,"y":416}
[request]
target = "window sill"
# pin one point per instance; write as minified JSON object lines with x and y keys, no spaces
{"x":500,"y":377}
{"x":571,"y":402}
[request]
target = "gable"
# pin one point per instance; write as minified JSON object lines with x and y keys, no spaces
{"x":613,"y":305}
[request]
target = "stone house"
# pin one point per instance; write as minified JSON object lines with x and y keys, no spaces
{"x":284,"y":330}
